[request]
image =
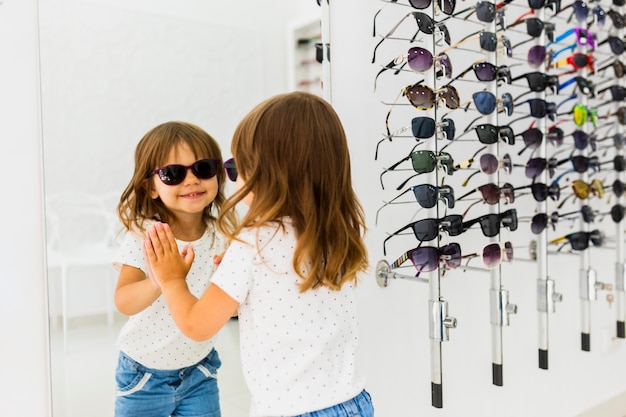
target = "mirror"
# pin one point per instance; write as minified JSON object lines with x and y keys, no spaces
{"x":111,"y":70}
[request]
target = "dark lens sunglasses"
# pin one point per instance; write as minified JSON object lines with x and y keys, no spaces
{"x":540,"y":108}
{"x":583,"y":139}
{"x":422,"y":97}
{"x":486,"y":71}
{"x":541,"y":220}
{"x":446,"y":6}
{"x":491,"y":193}
{"x":580,"y":240}
{"x":539,"y":81}
{"x":426,"y":195}
{"x":554,"y":5}
{"x":231,"y":169}
{"x":536,"y":26}
{"x":490,"y":223}
{"x":489,"y":134}
{"x":618,"y":92}
{"x":616,"y":44}
{"x":535,"y":166}
{"x":541,"y":191}
{"x":494,"y":253}
{"x":426,"y":230}
{"x":422,"y":127}
{"x":486,"y":102}
{"x":425,"y":24}
{"x":419,"y":60}
{"x":533,"y":137}
{"x":617,"y":213}
{"x":175,"y":174}
{"x":423,"y":161}
{"x":428,"y":258}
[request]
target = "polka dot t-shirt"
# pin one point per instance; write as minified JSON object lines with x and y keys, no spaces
{"x":151,"y":337}
{"x":297,"y":349}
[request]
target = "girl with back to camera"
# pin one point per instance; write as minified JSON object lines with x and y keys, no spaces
{"x":179,"y":180}
{"x":291,"y":267}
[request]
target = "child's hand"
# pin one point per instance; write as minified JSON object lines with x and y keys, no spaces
{"x":217,"y":259}
{"x":164,"y":261}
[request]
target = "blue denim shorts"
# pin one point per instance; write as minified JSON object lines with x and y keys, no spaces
{"x":359,"y":406}
{"x":147,"y":392}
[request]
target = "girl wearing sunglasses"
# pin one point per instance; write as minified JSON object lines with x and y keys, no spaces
{"x":287,"y":250}
{"x":178,"y":178}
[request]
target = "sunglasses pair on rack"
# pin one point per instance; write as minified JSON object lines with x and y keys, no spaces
{"x":491,"y":223}
{"x":423,"y":97}
{"x":426,"y":230}
{"x":493,"y":254}
{"x":619,"y":69}
{"x":540,"y":221}
{"x":533,"y":137}
{"x":486,"y":103}
{"x":554,"y":5}
{"x":425,"y":24}
{"x":422,"y":127}
{"x":581,"y":12}
{"x":426,"y":195}
{"x":489,"y":134}
{"x":423,"y":161}
{"x":203,"y":169}
{"x":446,"y":6}
{"x":486,"y":71}
{"x":428,"y":258}
{"x":616,"y":44}
{"x":488,"y":41}
{"x":419,"y":60}
{"x":534,"y":28}
{"x":580,"y":240}
{"x":584,"y":190}
{"x":541,"y":191}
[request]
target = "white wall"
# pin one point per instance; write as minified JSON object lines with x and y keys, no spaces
{"x":394,"y":321}
{"x":24,"y":362}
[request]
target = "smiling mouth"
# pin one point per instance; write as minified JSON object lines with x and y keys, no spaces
{"x":192,"y":195}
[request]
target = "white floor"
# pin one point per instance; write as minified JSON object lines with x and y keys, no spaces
{"x":83,"y":372}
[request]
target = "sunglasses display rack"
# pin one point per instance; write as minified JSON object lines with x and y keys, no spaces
{"x":490,"y":95}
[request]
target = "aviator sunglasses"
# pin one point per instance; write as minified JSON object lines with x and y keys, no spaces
{"x":175,"y":174}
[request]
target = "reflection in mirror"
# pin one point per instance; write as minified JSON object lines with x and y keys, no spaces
{"x":111,"y":70}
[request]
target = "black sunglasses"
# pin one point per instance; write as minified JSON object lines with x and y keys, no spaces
{"x":541,"y":220}
{"x":425,"y":24}
{"x":580,"y":240}
{"x":428,"y":229}
{"x":486,"y":71}
{"x":175,"y":174}
{"x":426,"y":195}
{"x":539,"y":81}
{"x":231,"y":169}
{"x":490,"y":223}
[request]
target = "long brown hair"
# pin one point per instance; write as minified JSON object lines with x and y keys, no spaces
{"x":136,"y":206}
{"x":292,"y":152}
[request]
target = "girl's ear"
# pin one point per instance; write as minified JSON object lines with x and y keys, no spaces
{"x":154,"y":194}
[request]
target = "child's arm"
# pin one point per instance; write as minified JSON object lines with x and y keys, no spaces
{"x":198,"y":319}
{"x":134,"y":291}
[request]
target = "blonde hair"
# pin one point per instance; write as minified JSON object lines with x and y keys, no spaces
{"x":292,"y":152}
{"x":136,"y":206}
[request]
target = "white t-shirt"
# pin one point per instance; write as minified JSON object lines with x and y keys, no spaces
{"x":151,"y":337}
{"x":297,"y":349}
